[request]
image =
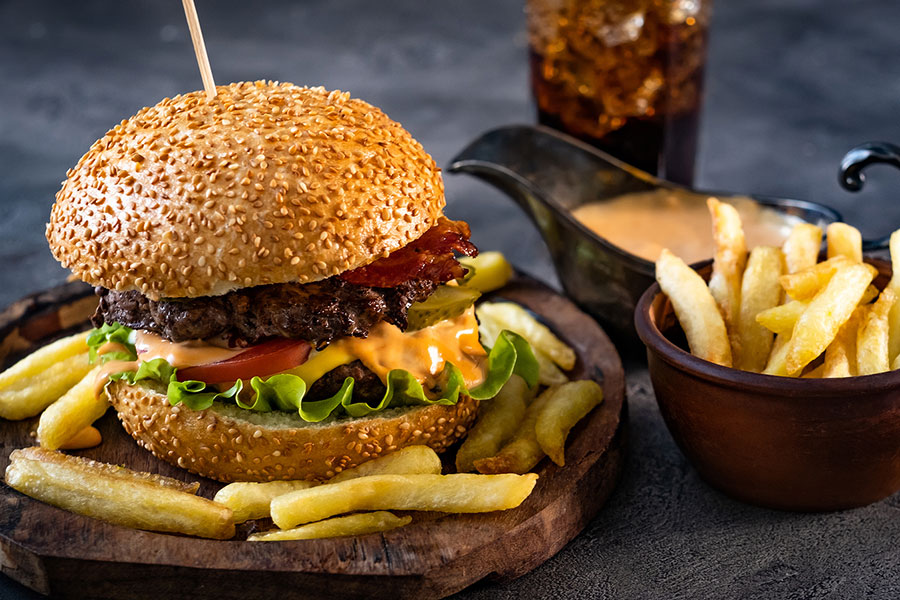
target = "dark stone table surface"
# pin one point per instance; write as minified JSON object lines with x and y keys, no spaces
{"x":791,"y":85}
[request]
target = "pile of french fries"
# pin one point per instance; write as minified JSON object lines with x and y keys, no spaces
{"x":56,"y":382}
{"x":779,"y":311}
{"x":514,"y":431}
{"x":408,"y":479}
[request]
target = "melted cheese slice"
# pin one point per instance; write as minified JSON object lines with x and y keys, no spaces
{"x":320,"y":363}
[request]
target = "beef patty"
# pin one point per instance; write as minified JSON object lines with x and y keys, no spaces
{"x":317,"y":312}
{"x":367,"y":387}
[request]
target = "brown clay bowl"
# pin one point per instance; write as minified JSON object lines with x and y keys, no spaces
{"x":778,"y":442}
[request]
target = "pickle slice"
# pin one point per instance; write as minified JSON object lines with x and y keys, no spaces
{"x":492,"y":271}
{"x":446,"y":302}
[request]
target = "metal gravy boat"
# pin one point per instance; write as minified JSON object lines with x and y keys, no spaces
{"x":549,"y":174}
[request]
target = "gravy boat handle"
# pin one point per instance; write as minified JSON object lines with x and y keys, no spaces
{"x":852,"y":174}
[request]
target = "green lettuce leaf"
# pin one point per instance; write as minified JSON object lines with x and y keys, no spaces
{"x":157,"y":369}
{"x":111,"y":332}
{"x":197,"y":395}
{"x":510,"y":355}
{"x":285,"y":392}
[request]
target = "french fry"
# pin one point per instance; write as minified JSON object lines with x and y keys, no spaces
{"x":522,"y":452}
{"x":36,"y":381}
{"x":86,"y":465}
{"x":507,"y":315}
{"x":819,"y":324}
{"x":760,"y":290}
{"x":840,"y":355}
{"x":695,"y":308}
{"x":729,"y":261}
{"x":498,"y":420}
{"x":548,"y":373}
{"x":844,"y":240}
{"x":776,"y":364}
{"x":567,"y":404}
{"x":358,"y":524}
{"x":803,"y":285}
{"x":870,"y":294}
{"x":801,"y":248}
{"x":782,"y":318}
{"x":28,"y":396}
{"x":894,"y":315}
{"x":488,"y":330}
{"x":251,"y":500}
{"x":456,"y":493}
{"x":872,"y":351}
{"x":492,"y":271}
{"x":406,"y":461}
{"x":78,"y":408}
{"x":123,"y":497}
{"x":43,"y":358}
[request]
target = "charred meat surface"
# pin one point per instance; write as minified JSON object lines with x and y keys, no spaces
{"x":430,"y":257}
{"x":316,"y":312}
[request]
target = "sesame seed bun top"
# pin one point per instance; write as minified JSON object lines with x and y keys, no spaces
{"x":266,"y":183}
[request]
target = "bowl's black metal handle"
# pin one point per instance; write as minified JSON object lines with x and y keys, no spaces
{"x":852,"y":176}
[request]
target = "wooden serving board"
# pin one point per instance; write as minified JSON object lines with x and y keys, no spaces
{"x":69,"y":556}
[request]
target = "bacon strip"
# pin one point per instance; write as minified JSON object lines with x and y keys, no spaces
{"x":431,"y":257}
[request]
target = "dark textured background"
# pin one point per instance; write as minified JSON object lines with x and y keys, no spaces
{"x":791,"y":85}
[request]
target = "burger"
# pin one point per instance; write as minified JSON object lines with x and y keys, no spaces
{"x":280,"y":295}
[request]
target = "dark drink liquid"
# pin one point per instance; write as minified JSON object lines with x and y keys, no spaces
{"x":623,"y":75}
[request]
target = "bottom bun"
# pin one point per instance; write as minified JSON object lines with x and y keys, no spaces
{"x":228,"y":443}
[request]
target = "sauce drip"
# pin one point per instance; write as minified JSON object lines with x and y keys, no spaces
{"x":112,"y":367}
{"x":646,"y":222}
{"x":424,"y":352}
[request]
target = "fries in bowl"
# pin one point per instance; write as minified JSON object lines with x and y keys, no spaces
{"x":790,"y":315}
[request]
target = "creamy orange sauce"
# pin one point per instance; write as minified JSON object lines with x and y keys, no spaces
{"x":150,"y":346}
{"x":424,"y":352}
{"x":111,"y":347}
{"x":184,"y":354}
{"x":112,"y":367}
{"x":644,"y":223}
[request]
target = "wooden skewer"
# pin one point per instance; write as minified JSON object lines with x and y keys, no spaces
{"x":190,"y":11}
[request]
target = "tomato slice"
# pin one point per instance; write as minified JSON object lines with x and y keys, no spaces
{"x":269,"y":357}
